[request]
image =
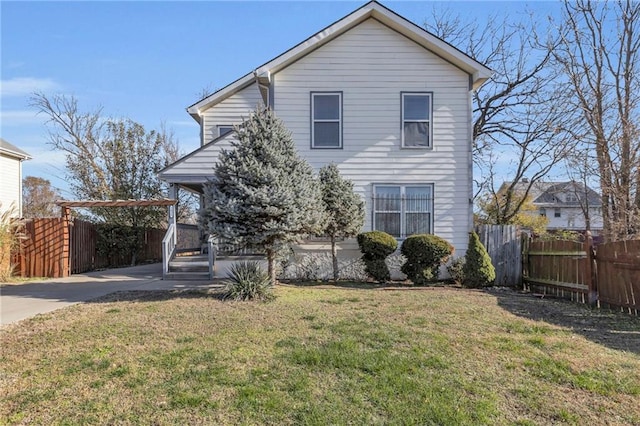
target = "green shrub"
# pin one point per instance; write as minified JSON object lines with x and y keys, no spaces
{"x":478,"y":269}
{"x":425,"y":253}
{"x":247,"y":281}
{"x":456,"y":270}
{"x":375,"y":247}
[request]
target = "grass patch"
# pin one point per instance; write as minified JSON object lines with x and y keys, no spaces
{"x":314,"y":356}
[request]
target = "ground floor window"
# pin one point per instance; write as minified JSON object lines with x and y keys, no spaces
{"x":403,"y":210}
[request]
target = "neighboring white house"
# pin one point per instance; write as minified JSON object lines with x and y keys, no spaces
{"x":385,"y":100}
{"x":11,"y":158}
{"x":565,"y":204}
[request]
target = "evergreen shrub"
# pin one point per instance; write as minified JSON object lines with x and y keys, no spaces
{"x":375,"y":247}
{"x":456,"y":270}
{"x":248,"y":281}
{"x":425,"y":253}
{"x":478,"y":270}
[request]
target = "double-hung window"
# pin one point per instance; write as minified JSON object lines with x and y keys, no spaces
{"x":403,"y":210}
{"x":326,"y":119}
{"x":416,"y":120}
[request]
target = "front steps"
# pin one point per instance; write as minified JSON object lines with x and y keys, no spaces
{"x":194,"y":267}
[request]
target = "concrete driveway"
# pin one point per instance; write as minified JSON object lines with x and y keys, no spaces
{"x":21,"y":301}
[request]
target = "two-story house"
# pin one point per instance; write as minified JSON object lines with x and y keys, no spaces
{"x":565,"y":204}
{"x":11,"y":158}
{"x":387,"y":101}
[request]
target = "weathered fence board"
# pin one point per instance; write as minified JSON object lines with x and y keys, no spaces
{"x":618,"y":272}
{"x":503,"y":244}
{"x":559,"y":267}
{"x":608,"y":275}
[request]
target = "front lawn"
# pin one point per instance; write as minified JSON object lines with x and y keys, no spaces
{"x":323,"y":356}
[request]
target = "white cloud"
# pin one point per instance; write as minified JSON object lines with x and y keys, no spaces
{"x":20,"y":118}
{"x":22,"y":86}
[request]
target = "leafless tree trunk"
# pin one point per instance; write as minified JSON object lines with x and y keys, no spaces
{"x":517,"y":114}
{"x":598,"y":55}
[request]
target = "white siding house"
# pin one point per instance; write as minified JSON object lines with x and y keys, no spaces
{"x":385,"y":100}
{"x":565,"y":204}
{"x":11,"y":158}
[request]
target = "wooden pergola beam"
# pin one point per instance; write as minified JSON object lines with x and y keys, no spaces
{"x":164,"y":202}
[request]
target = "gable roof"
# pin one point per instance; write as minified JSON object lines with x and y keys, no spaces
{"x":546,"y":192}
{"x":13,"y":151}
{"x":478,"y":72}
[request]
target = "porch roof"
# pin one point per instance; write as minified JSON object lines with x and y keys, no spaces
{"x":196,"y":168}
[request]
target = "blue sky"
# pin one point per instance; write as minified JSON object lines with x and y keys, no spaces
{"x":149,"y":60}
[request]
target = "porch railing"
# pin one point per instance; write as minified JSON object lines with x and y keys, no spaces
{"x":168,"y":249}
{"x":211,"y":251}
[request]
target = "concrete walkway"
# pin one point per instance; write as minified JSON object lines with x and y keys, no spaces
{"x":20,"y":301}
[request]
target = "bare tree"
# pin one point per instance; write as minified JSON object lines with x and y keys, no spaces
{"x":108,"y":159}
{"x":39,"y":198}
{"x":598,"y":55}
{"x":518,"y":113}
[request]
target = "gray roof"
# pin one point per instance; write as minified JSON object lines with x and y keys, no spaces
{"x":548,"y":193}
{"x":12,"y":150}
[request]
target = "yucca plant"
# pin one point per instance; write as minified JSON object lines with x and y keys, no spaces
{"x":248,"y":281}
{"x":11,"y":236}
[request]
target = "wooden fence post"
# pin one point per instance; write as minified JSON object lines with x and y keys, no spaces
{"x":524,"y":243}
{"x":590,"y":270}
{"x":65,"y":223}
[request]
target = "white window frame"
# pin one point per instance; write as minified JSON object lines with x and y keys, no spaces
{"x":429,"y":119}
{"x":338,"y":120}
{"x":224,"y":126}
{"x":403,"y":206}
{"x":557,"y":212}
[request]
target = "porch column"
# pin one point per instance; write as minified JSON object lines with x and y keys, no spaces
{"x":173,"y":220}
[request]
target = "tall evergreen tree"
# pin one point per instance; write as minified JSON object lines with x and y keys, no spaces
{"x":345,"y":209}
{"x":262,"y":195}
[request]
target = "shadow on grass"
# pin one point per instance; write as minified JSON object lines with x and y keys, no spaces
{"x":159,"y":295}
{"x":360,"y":285}
{"x":615,"y":330}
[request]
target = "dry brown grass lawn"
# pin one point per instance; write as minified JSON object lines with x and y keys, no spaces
{"x":323,"y":356}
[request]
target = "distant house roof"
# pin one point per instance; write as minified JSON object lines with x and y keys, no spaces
{"x":12,"y":150}
{"x":548,"y":192}
{"x":478,"y":73}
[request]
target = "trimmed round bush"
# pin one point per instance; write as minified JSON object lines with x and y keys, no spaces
{"x":375,"y":247}
{"x":478,"y":270}
{"x":425,"y":253}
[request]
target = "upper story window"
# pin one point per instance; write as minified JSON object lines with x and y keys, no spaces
{"x":543,"y":212}
{"x":417,"y":116}
{"x":571,"y":198}
{"x":326,"y":119}
{"x":223,"y":129}
{"x":557,"y":213}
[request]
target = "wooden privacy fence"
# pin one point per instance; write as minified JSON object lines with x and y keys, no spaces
{"x":562,"y":268}
{"x":57,"y":247}
{"x":504,"y":245}
{"x":618,"y":274}
{"x":82,"y":241}
{"x":44,"y":252}
{"x":608,"y":274}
